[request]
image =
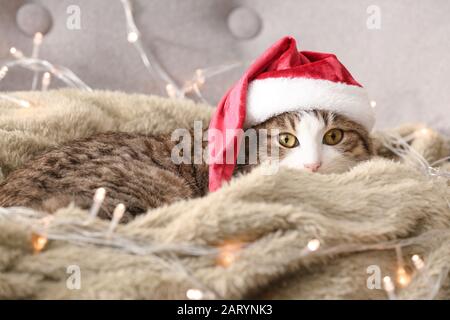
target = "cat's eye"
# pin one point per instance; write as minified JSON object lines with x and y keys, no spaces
{"x":333,"y":136}
{"x":288,"y":140}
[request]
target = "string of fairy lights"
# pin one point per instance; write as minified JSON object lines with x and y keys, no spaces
{"x":400,"y":146}
{"x":45,"y":228}
{"x":191,"y":88}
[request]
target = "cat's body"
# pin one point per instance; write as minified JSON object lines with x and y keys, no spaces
{"x":138,"y":170}
{"x":135,"y":169}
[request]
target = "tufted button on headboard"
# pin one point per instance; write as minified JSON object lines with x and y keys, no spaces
{"x":244,"y":23}
{"x":32,"y":18}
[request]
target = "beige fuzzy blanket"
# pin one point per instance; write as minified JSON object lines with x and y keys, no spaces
{"x":248,"y":240}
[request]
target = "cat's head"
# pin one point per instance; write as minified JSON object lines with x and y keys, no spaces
{"x":317,"y":141}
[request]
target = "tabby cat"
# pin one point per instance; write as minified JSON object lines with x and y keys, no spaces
{"x":137,"y":169}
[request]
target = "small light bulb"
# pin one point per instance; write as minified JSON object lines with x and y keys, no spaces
{"x":46,"y":78}
{"x":403,"y":278}
{"x":200,"y":77}
{"x":373,"y":103}
{"x":171,"y":92}
{"x":418,"y":262}
{"x":228,"y":253}
{"x":194,"y":294}
{"x":313,"y":245}
{"x":389,"y":287}
{"x":3,"y":71}
{"x":388,"y":284}
{"x":99,"y":195}
{"x":118,"y":213}
{"x":37,"y":40}
{"x":424,"y":131}
{"x":38,"y":242}
{"x":24,"y":104}
{"x":132,"y":36}
{"x":226,"y":259}
{"x":16,"y":53}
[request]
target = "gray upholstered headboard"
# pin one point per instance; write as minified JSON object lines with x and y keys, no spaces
{"x":401,"y":58}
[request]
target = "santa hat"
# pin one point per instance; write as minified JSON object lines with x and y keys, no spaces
{"x":282,"y":79}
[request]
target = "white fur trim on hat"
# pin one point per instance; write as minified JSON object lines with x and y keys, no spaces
{"x":269,"y":97}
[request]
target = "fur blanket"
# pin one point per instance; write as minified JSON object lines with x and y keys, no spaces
{"x":248,"y":240}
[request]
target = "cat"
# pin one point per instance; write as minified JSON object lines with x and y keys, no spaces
{"x":137,"y":169}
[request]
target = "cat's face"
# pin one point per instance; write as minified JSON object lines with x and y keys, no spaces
{"x":318,"y":141}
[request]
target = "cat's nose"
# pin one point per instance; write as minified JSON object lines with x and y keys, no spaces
{"x":313,"y":167}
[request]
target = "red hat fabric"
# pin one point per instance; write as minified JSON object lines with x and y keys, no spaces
{"x":282,"y":79}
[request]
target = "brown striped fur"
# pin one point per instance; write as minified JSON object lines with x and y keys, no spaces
{"x":134,"y":169}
